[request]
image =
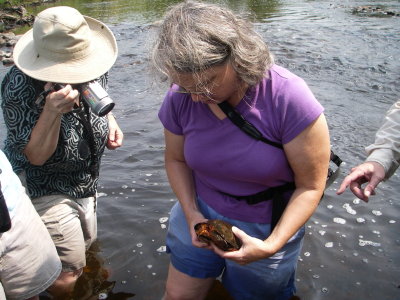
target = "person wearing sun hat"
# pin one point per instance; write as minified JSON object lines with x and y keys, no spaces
{"x":54,"y":141}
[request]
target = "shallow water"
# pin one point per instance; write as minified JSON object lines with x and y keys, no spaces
{"x":351,"y":62}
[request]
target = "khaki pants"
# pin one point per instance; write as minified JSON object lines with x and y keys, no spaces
{"x":72,"y":224}
{"x":29,"y":263}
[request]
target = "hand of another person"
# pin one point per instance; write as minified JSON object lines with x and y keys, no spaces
{"x":115,"y":135}
{"x":61,"y":101}
{"x":371,"y":172}
{"x":252,"y":249}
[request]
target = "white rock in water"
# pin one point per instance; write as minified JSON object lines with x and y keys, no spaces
{"x":349,"y":209}
{"x":163,"y":220}
{"x":363,"y":243}
{"x":339,"y":220}
{"x":162,"y":249}
{"x":377,"y":213}
{"x":102,"y":296}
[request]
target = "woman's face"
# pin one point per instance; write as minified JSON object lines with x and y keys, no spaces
{"x":212,"y":86}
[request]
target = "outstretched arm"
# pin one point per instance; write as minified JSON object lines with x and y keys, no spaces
{"x":371,"y":172}
{"x":382,"y":161}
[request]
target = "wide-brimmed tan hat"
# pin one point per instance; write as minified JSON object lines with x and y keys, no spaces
{"x":65,"y":47}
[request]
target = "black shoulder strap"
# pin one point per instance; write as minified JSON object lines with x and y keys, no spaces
{"x":335,"y":159}
{"x":274,"y":193}
{"x":244,"y":125}
{"x":83,"y":116}
{"x":252,"y":131}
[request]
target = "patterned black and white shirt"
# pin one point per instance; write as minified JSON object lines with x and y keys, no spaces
{"x":67,"y":171}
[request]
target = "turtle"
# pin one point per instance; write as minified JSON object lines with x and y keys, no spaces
{"x":218,"y":232}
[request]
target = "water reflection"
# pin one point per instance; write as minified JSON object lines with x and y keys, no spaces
{"x":94,"y":283}
{"x":146,"y":11}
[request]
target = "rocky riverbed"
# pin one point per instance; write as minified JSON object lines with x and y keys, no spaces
{"x":13,"y":17}
{"x":16,"y":16}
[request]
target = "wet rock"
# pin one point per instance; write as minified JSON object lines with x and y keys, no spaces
{"x":40,"y":2}
{"x":8,"y":61}
{"x":373,"y":11}
{"x":7,"y":43}
{"x":12,"y":17}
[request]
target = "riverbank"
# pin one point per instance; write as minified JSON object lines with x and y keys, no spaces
{"x":12,"y":18}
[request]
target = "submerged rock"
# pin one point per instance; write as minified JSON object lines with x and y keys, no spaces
{"x":12,"y":17}
{"x":7,"y":42}
{"x":373,"y":11}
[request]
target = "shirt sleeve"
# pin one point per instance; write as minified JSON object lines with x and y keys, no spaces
{"x":103,"y":80}
{"x":298,"y":108}
{"x":169,"y":113}
{"x":19,"y":109}
{"x":386,"y":148}
{"x":11,"y":186}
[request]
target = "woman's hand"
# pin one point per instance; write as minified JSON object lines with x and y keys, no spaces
{"x":61,"y":101}
{"x":195,"y":218}
{"x":115,"y":134}
{"x":252,"y":249}
{"x":45,"y":134}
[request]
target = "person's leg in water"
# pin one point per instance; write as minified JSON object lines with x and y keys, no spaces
{"x":73,"y":226}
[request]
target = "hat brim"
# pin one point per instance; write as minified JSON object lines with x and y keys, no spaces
{"x":102,"y":57}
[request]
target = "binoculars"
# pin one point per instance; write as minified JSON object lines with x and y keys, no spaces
{"x":94,"y":95}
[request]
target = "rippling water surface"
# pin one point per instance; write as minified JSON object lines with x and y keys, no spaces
{"x":351,"y":62}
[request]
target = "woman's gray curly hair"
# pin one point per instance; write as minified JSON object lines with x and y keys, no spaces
{"x":195,"y":36}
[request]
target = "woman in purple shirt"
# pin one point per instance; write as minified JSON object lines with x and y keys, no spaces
{"x":212,"y":56}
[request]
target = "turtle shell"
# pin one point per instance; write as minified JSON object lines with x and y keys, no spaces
{"x":219,"y":233}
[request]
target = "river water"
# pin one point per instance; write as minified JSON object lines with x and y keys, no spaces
{"x":350,"y":61}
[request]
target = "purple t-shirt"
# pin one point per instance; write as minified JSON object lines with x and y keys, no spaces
{"x":225,"y":159}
